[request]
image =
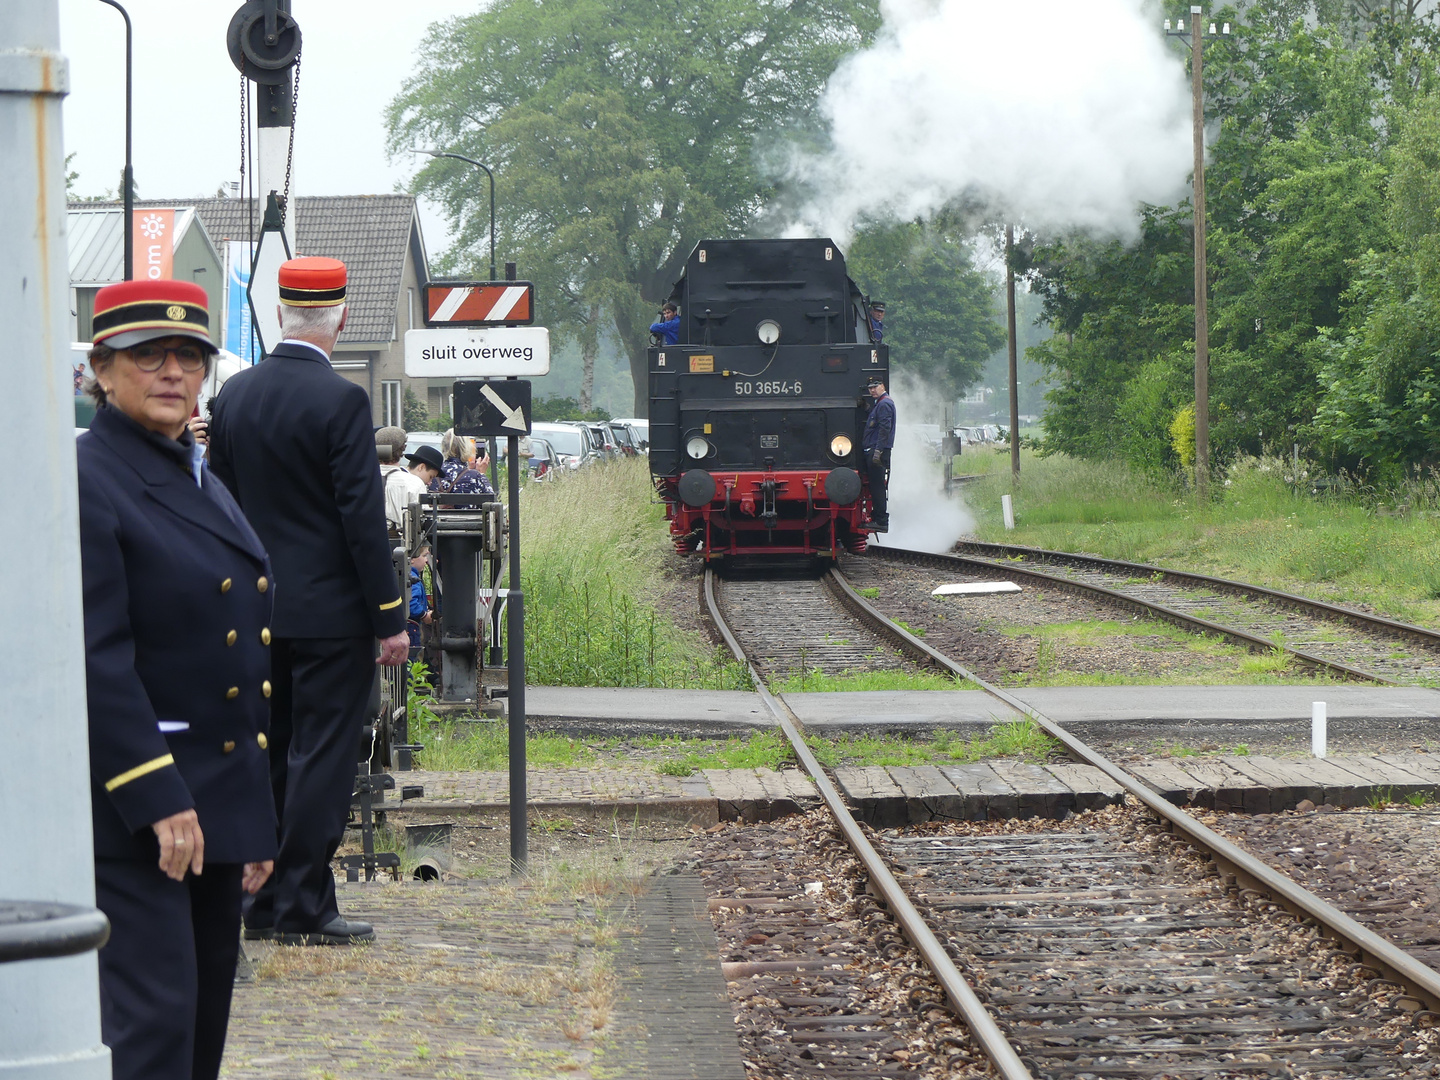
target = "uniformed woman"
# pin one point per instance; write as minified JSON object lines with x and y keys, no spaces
{"x":177,"y":606}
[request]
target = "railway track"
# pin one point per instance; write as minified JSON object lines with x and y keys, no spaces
{"x":1125,"y":945}
{"x":1346,"y":643}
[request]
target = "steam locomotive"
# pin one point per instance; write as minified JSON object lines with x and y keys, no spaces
{"x":756,"y":413}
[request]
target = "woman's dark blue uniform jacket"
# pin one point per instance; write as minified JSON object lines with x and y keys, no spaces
{"x":177,"y":611}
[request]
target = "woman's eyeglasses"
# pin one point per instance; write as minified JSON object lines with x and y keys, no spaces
{"x":152,"y":357}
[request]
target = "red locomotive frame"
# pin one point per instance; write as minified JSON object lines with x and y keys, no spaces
{"x":736,"y":521}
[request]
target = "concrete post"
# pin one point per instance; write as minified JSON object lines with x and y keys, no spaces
{"x":49,"y":1009}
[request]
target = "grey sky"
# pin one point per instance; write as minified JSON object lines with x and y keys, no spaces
{"x":187,"y":95}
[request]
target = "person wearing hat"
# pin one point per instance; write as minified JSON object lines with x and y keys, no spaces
{"x":177,"y":664}
{"x":877,"y":321}
{"x":876,"y":442}
{"x":667,"y":329}
{"x":292,"y":439}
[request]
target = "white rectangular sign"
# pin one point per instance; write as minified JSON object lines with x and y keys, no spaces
{"x":476,"y":353}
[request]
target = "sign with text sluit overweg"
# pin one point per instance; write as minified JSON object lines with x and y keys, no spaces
{"x":478,"y":352}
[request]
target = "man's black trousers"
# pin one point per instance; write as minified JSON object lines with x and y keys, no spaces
{"x":168,"y":969}
{"x":877,"y":474}
{"x":320,"y":688}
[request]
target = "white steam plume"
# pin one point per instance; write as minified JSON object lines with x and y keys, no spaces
{"x":1047,"y":114}
{"x":922,"y":516}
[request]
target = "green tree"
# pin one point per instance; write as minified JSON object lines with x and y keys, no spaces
{"x":415,"y":414}
{"x":940,"y":316}
{"x":621,"y":133}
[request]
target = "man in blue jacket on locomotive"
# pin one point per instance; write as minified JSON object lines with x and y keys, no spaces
{"x":668,"y":328}
{"x":876,"y":444}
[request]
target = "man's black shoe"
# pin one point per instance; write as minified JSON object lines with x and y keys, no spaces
{"x":881,"y":526}
{"x":339,"y":931}
{"x":258,"y":933}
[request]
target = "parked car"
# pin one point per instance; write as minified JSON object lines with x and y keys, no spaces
{"x":624,"y":439}
{"x":640,"y":427}
{"x":541,"y":458}
{"x":573,"y":444}
{"x":417,"y":439}
{"x":603,"y":437}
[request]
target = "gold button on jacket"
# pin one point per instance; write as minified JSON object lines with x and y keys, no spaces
{"x":232,"y":693}
{"x":230,"y":637}
{"x":225,"y":585}
{"x":265,"y":636}
{"x":263,"y":741}
{"x":263,"y":584}
{"x":228,"y":745}
{"x":265,"y":687}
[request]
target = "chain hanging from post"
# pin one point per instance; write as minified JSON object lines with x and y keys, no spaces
{"x":290,"y":149}
{"x":244,"y":191}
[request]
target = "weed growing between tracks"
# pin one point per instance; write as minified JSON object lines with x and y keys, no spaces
{"x":1343,"y":542}
{"x":589,"y":545}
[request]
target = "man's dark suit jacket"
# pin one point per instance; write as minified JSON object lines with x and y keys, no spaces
{"x":294,"y":443}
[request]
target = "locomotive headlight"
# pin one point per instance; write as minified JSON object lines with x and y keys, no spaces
{"x":697,"y":448}
{"x":841,"y":445}
{"x":768,"y":331}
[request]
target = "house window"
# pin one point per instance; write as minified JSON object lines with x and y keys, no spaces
{"x":390,"y":403}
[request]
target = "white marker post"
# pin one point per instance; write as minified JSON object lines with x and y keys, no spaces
{"x":1008,"y":508}
{"x":1317,"y":729}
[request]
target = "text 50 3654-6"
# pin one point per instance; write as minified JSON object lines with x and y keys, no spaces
{"x":743,"y":389}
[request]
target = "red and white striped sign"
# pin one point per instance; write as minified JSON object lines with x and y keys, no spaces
{"x":479,"y":303}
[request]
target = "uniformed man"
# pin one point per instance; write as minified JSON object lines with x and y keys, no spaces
{"x":293,"y":441}
{"x":877,"y":321}
{"x":177,"y":663}
{"x":876,"y":443}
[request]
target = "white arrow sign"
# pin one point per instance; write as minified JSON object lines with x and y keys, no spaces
{"x":513,"y":418}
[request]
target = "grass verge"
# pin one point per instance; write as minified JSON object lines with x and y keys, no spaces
{"x":591,"y":614}
{"x":1264,"y":524}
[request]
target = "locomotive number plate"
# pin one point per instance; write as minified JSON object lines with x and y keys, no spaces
{"x":752,"y":389}
{"x":769,"y":442}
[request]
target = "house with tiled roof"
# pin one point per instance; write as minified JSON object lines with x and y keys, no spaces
{"x":378,"y":238}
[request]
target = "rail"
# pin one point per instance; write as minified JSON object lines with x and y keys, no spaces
{"x":1193,"y":623}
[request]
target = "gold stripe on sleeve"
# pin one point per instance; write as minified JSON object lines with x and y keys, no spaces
{"x":393,"y":604}
{"x":139,"y":771}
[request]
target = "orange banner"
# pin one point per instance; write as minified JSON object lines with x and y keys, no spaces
{"x":153,"y":234}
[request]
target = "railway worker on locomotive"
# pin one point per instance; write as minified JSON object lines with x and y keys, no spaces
{"x":758,"y":405}
{"x":666,"y":330}
{"x":875,"y":447}
{"x":177,"y":662}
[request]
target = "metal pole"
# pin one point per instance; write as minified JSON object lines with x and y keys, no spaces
{"x":49,"y":1009}
{"x":515,"y":614}
{"x":1014,"y":367}
{"x":127,"y":178}
{"x":1202,"y":328}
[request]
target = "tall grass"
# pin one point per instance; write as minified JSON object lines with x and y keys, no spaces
{"x":591,"y":548}
{"x":1266,"y":522}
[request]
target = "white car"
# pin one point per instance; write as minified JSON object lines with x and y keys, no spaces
{"x":640,"y":427}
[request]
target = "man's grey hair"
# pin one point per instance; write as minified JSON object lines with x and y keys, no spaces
{"x":310,"y":321}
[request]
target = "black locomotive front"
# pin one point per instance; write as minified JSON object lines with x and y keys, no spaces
{"x":756,"y":412}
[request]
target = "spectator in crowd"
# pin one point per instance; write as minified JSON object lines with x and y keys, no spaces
{"x":667,"y":329}
{"x":292,"y":440}
{"x":401,"y":484}
{"x":177,"y":665}
{"x":463,"y":469}
{"x":420,"y":611}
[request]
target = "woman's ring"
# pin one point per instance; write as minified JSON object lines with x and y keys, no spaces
{"x":179,"y":842}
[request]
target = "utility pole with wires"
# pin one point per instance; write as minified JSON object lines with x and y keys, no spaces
{"x":1202,"y":324}
{"x":1014,"y":363}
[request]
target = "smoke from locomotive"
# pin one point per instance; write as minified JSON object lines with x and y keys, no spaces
{"x":756,"y":412}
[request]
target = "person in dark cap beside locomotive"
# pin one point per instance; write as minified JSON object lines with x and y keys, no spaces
{"x":177,"y":664}
{"x":668,"y":328}
{"x":877,"y":321}
{"x":876,"y":442}
{"x":293,"y":441}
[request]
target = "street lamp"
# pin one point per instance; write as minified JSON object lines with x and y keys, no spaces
{"x":1202,"y":326}
{"x":491,"y":175}
{"x":127,"y":180}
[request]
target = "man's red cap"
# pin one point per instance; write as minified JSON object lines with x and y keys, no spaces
{"x":130,"y":312}
{"x":312,"y":282}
